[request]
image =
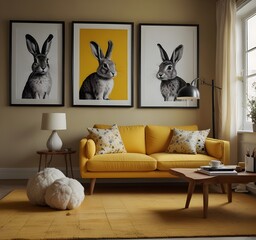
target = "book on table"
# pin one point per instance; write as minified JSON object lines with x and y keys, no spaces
{"x":222,"y":170}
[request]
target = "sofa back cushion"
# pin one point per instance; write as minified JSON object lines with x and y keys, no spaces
{"x":133,"y":137}
{"x":159,"y":137}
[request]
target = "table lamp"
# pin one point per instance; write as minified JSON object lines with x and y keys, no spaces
{"x":54,"y":122}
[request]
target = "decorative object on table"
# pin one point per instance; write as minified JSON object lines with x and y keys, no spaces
{"x":250,"y":161}
{"x":37,"y":184}
{"x":108,"y":71}
{"x":64,"y":193}
{"x":215,"y":163}
{"x":215,"y":171}
{"x":54,"y":122}
{"x":174,"y":49}
{"x":38,"y":45}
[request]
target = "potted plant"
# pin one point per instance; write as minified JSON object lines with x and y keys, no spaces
{"x":252,"y":112}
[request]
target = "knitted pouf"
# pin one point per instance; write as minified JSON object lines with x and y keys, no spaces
{"x":37,"y":185}
{"x":64,"y":193}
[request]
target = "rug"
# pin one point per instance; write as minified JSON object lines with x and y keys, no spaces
{"x":129,"y":213}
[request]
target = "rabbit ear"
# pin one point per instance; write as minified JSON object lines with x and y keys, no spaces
{"x":163,"y":53}
{"x":177,"y":54}
{"x":47,"y":44}
{"x":96,"y":50}
{"x":32,"y":45}
{"x":109,"y":51}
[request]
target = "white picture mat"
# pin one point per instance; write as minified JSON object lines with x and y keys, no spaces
{"x":22,"y":60}
{"x":169,"y":37}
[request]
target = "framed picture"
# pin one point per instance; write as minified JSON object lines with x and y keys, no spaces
{"x":36,"y":63}
{"x":168,"y":60}
{"x":102,"y":64}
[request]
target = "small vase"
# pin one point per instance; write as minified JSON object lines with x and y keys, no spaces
{"x":254,"y":127}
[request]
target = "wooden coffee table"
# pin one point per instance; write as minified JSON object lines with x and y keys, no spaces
{"x":190,"y":175}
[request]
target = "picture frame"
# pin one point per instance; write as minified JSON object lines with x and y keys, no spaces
{"x":164,"y":49}
{"x":106,"y":80}
{"x":36,"y":63}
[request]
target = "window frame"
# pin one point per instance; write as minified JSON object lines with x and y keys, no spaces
{"x":242,"y":53}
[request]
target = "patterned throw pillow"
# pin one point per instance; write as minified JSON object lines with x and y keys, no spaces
{"x":183,"y":141}
{"x":200,"y":145}
{"x":107,"y":140}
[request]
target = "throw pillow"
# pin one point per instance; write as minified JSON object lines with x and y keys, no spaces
{"x":107,"y":140}
{"x":200,"y":145}
{"x":183,"y":141}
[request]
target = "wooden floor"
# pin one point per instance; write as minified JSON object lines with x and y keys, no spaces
{"x":7,"y":186}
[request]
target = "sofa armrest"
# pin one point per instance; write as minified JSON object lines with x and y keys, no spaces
{"x":87,"y":150}
{"x":220,"y":149}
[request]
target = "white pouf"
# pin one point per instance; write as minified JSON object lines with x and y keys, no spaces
{"x":38,"y":184}
{"x":64,"y":193}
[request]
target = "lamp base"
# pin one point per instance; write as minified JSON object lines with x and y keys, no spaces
{"x":54,"y":142}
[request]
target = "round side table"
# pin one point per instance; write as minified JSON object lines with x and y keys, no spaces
{"x":48,"y":157}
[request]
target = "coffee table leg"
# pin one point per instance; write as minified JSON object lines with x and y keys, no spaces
{"x":229,"y":187}
{"x":205,"y":198}
{"x":223,"y":188}
{"x":191,"y":188}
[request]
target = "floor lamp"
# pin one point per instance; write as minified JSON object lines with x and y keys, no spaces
{"x":213,"y":103}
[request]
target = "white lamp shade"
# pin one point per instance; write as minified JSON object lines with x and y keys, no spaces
{"x":54,"y":121}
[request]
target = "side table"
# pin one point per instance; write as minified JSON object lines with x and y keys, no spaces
{"x":48,"y":157}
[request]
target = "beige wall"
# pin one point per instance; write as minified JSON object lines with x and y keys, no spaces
{"x":20,"y":134}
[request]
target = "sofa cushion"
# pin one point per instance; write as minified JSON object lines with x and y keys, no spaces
{"x":133,"y":137}
{"x":159,"y":137}
{"x":107,"y":140}
{"x":165,"y":161}
{"x":121,"y":162}
{"x":214,"y":148}
{"x":183,"y":142}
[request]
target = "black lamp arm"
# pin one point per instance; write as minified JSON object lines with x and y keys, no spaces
{"x":211,"y":85}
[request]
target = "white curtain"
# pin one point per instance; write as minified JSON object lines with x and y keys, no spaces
{"x":226,"y":74}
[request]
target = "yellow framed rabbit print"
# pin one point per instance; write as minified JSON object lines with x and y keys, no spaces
{"x":102,"y":64}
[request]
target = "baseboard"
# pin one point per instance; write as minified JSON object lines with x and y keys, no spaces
{"x":26,"y":173}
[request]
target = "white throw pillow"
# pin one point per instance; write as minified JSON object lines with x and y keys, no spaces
{"x":107,"y":140}
{"x":183,"y":141}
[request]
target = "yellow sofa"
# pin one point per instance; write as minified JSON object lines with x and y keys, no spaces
{"x":146,"y":155}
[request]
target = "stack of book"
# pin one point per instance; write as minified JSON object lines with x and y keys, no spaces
{"x":222,"y":170}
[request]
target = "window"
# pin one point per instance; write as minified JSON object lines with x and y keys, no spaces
{"x":246,"y":61}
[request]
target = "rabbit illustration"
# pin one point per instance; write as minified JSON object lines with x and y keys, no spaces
{"x":170,"y":82}
{"x":39,"y":82}
{"x":99,"y":84}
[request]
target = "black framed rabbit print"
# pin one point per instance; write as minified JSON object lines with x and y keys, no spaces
{"x":102,"y":64}
{"x":168,"y":60}
{"x":36,"y":63}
